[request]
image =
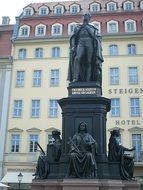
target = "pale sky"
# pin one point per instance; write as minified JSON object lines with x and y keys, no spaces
{"x":13,"y":8}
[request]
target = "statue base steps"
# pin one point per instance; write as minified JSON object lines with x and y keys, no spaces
{"x":84,"y":184}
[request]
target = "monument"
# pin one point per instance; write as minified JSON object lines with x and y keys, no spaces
{"x":80,"y":159}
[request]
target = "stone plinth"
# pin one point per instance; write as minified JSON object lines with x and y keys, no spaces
{"x":84,"y":184}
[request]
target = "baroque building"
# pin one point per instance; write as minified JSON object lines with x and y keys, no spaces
{"x":39,"y":76}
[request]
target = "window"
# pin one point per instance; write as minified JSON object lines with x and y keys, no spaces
{"x":136,"y":142}
{"x":24,"y":31}
{"x":40,"y":30}
{"x":74,"y":8}
{"x":39,"y":53}
{"x":113,"y":50}
{"x":128,"y":6}
{"x":141,"y":4}
{"x":22,"y":54}
{"x":112,"y":26}
{"x":134,"y":107}
{"x":131,"y":49}
{"x":33,"y":145}
{"x":130,"y":26}
{"x":59,"y":9}
{"x":115,"y":107}
{"x":37,"y":78}
{"x":20,"y":78}
{"x":43,"y":11}
{"x":114,"y":76}
{"x":57,"y":29}
{"x":53,"y":108}
{"x":133,"y":75}
{"x":97,"y":25}
{"x":54,"y":81}
{"x":17,"y":108}
{"x":111,"y":6}
{"x":15,"y":141}
{"x":35,"y":113}
{"x":28,"y":11}
{"x":71,"y":27}
{"x":55,"y":52}
{"x":95,"y":7}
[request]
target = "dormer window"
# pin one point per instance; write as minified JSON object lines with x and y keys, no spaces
{"x":43,"y":11}
{"x":111,"y":6}
{"x":130,"y":26}
{"x":95,"y":7}
{"x":24,"y":31}
{"x":128,"y":6}
{"x":59,"y":9}
{"x":74,"y":9}
{"x":40,"y":30}
{"x":28,"y":11}
{"x":57,"y":29}
{"x":112,"y":26}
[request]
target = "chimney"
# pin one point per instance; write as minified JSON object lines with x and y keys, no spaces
{"x":5,"y":20}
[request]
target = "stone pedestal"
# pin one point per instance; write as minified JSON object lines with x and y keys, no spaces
{"x":84,"y":184}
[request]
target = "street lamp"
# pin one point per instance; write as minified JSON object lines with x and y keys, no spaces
{"x":20,"y":177}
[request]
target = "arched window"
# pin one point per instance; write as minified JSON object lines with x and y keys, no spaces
{"x":24,"y":31}
{"x":130,"y":26}
{"x":71,"y":27}
{"x":74,"y":8}
{"x":59,"y":9}
{"x":128,"y":5}
{"x":111,"y":6}
{"x":57,"y":29}
{"x":40,"y":30}
{"x":94,"y":7}
{"x":43,"y":10}
{"x":112,"y":26}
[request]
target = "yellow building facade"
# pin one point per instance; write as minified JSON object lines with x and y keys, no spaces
{"x":39,"y":79}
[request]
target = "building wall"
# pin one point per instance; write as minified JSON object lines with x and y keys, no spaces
{"x":42,"y":126}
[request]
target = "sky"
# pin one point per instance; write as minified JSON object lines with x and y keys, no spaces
{"x":13,"y":8}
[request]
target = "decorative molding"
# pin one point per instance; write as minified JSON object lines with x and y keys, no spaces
{"x":115,"y":128}
{"x":15,"y":130}
{"x":33,"y":130}
{"x":135,"y":129}
{"x":51,"y":129}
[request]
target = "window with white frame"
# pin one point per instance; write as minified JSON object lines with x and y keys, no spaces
{"x":37,"y":78}
{"x":128,"y":5}
{"x":54,"y":80}
{"x":97,"y":25}
{"x":74,"y":9}
{"x":130,"y":26}
{"x":95,"y":7}
{"x":32,"y":143}
{"x":28,"y":11}
{"x":113,"y":50}
{"x":59,"y":9}
{"x":114,"y":76}
{"x":71,"y":27}
{"x":15,"y":142}
{"x":39,"y":53}
{"x":43,"y":10}
{"x":57,"y":29}
{"x":134,"y":107}
{"x":111,"y":6}
{"x":133,"y":75}
{"x":53,"y":108}
{"x":35,"y":110}
{"x":141,"y":5}
{"x":22,"y":53}
{"x":20,"y":75}
{"x":24,"y":31}
{"x":112,"y":26}
{"x":40,"y":30}
{"x":115,"y":107}
{"x":131,"y":49}
{"x":137,"y":143}
{"x":17,"y":112}
{"x":55,"y":52}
